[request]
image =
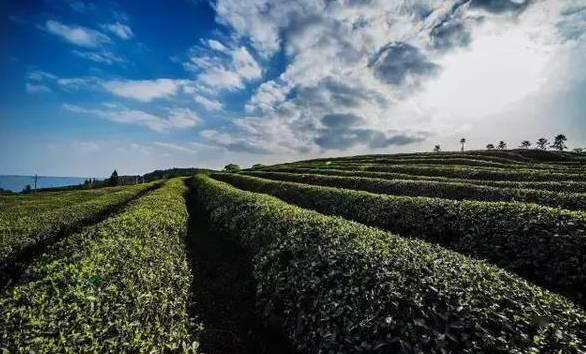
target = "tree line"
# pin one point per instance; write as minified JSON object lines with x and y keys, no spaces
{"x":559,"y":143}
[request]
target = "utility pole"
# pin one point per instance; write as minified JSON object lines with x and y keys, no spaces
{"x":36,"y":178}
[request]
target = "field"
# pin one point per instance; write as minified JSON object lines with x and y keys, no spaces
{"x":476,"y":252}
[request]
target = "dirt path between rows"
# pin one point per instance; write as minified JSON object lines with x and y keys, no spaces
{"x":224,"y":295}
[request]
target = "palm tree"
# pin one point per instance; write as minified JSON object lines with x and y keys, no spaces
{"x":525,"y":144}
{"x":490,"y":147}
{"x":437,"y":148}
{"x":559,"y":142}
{"x":502,"y":145}
{"x":463,"y":141}
{"x":542,"y":143}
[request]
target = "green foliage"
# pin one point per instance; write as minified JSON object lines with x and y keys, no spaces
{"x":231,"y":168}
{"x":44,"y":215}
{"x":174,"y":172}
{"x":559,"y":142}
{"x":119,"y":286}
{"x":458,"y":171}
{"x":257,"y":165}
{"x":542,"y":143}
{"x":565,"y":186}
{"x":113,"y":181}
{"x":453,"y":162}
{"x":544,"y":245}
{"x":339,"y":286}
{"x":448,"y":190}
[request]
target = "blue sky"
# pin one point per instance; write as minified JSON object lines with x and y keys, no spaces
{"x":89,"y":86}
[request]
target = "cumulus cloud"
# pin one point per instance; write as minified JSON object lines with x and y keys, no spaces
{"x":500,"y":6}
{"x":208,"y":104}
{"x":220,"y":67}
{"x":399,"y":62}
{"x":121,"y":30}
{"x":143,"y":90}
{"x":176,"y":118}
{"x":78,"y":35}
{"x":342,"y":132}
{"x":405,"y":71}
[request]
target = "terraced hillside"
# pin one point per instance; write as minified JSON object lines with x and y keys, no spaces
{"x":408,"y":253}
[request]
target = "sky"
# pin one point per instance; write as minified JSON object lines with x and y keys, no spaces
{"x":92,"y":86}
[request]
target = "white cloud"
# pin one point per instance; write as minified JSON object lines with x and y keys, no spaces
{"x":403,"y":69}
{"x":36,"y":88}
{"x":216,"y":45}
{"x":267,"y":96}
{"x":183,"y":118}
{"x":39,"y":75}
{"x":78,"y":35}
{"x":230,"y":68}
{"x":143,"y":90}
{"x":177,"y":118}
{"x":208,"y":104}
{"x":104,"y":57}
{"x":121,"y":30}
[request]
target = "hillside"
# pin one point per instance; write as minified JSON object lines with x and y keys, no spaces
{"x":449,"y":252}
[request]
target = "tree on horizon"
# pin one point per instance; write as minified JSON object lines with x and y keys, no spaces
{"x":559,"y":142}
{"x":231,"y":167}
{"x":542,"y":143}
{"x":490,"y":147}
{"x":437,"y":148}
{"x":463,"y":142}
{"x":502,"y":145}
{"x":113,"y":181}
{"x":525,"y":144}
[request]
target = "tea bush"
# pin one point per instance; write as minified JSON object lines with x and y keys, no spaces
{"x":447,"y":190}
{"x":544,"y":245}
{"x":338,"y":286}
{"x":121,"y":285}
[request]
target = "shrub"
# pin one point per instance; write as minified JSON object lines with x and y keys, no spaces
{"x":466,"y":172}
{"x":563,"y":186}
{"x":544,"y":245}
{"x":25,"y":228}
{"x":232,"y":168}
{"x":447,"y":190}
{"x":338,"y":286}
{"x":119,"y":286}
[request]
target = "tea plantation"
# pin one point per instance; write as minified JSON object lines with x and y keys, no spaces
{"x":468,"y":252}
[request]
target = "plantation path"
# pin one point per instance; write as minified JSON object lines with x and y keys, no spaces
{"x":13,"y":270}
{"x":224,"y":295}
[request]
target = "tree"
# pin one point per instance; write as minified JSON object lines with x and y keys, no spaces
{"x":559,"y":142}
{"x":502,"y":145}
{"x":525,"y":144}
{"x":27,"y":189}
{"x":232,"y":167}
{"x":490,"y":147}
{"x":113,"y":181}
{"x":257,"y":165}
{"x":437,"y":148}
{"x":463,"y":142}
{"x":542,"y":143}
{"x":579,"y":150}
